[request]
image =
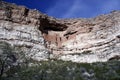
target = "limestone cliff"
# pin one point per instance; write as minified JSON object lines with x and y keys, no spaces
{"x":43,"y":37}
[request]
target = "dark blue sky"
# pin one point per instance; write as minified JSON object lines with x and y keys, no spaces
{"x":71,"y":8}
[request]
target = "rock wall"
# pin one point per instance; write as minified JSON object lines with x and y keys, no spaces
{"x":19,"y":27}
{"x":43,"y":37}
{"x":26,"y":36}
{"x":98,"y":36}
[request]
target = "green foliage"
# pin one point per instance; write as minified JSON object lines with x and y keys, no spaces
{"x":63,"y":70}
{"x":7,"y":57}
{"x":55,"y":69}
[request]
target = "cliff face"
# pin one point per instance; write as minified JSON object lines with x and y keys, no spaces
{"x":42,"y":37}
{"x":19,"y":27}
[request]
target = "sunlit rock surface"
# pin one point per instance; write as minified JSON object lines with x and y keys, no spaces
{"x":43,"y":37}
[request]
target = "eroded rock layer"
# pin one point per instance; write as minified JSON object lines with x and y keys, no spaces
{"x":43,"y":37}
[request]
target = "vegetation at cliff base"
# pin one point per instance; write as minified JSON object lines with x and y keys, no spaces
{"x":61,"y":70}
{"x":54,"y":69}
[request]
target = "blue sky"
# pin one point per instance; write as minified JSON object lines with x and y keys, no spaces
{"x":71,"y":8}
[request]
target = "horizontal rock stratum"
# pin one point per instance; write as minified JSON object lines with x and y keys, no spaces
{"x":42,"y":37}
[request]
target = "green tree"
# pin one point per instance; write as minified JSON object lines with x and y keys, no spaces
{"x":7,"y":58}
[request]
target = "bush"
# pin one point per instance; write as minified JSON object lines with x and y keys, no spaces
{"x":54,"y":69}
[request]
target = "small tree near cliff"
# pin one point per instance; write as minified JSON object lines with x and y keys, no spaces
{"x":7,"y":58}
